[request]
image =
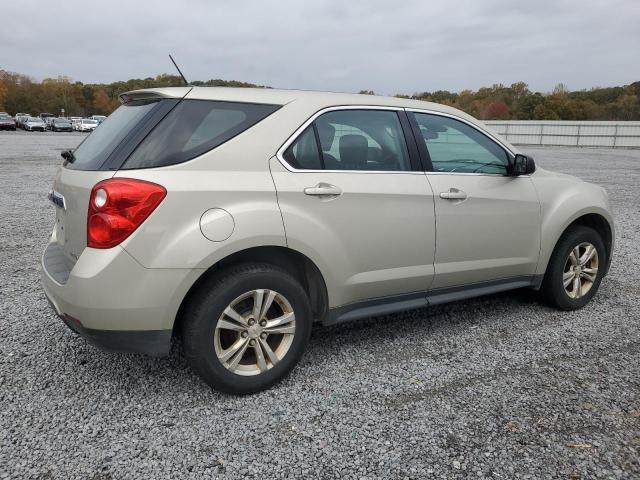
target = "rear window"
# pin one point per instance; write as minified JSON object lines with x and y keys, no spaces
{"x":194,"y":127}
{"x":92,"y":153}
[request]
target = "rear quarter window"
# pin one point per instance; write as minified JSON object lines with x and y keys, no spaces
{"x":194,"y":127}
{"x":92,"y":153}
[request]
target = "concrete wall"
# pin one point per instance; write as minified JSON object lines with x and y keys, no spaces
{"x":568,"y":133}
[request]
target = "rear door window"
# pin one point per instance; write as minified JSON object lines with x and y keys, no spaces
{"x":352,"y":140}
{"x":362,"y":140}
{"x":192,"y":128}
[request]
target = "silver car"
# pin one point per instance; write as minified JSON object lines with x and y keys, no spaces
{"x":236,"y":218}
{"x":32,"y":124}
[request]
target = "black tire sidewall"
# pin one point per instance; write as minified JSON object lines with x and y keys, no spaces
{"x":553,"y":284}
{"x":207,"y":308}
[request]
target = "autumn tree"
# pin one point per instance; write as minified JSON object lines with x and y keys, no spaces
{"x":497,"y":111}
{"x":102,"y":103}
{"x":20,"y":93}
{"x":3,"y":94}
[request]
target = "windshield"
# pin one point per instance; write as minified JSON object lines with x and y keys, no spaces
{"x":96,"y":148}
{"x":91,"y":122}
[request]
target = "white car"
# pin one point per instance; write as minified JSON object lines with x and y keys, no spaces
{"x":98,"y":118}
{"x":86,"y":125}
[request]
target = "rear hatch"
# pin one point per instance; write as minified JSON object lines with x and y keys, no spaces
{"x":151,"y":129}
{"x":97,"y":158}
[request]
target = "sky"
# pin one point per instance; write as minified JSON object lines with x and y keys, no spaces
{"x":387,"y":46}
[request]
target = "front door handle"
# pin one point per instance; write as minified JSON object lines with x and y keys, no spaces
{"x":454,"y":194}
{"x":323,"y":190}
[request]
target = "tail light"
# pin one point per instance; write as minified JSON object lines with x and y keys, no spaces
{"x":117,"y":207}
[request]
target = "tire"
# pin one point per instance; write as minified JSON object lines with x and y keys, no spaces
{"x":553,"y":289}
{"x":203,"y":336}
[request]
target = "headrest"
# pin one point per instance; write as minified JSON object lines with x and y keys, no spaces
{"x":353,"y":151}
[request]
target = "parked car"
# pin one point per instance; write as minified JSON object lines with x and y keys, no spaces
{"x":20,"y":118}
{"x":86,"y":125}
{"x":60,"y":125}
{"x":237,"y":218}
{"x":98,"y":118}
{"x":33,"y":124}
{"x":43,"y":116}
{"x":6,"y":122}
{"x":47,"y":122}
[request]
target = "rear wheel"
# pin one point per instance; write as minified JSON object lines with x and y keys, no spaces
{"x":575,"y":269}
{"x":246,"y":328}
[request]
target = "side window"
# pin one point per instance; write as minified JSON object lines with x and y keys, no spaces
{"x":303,"y":153}
{"x":362,"y":140}
{"x":454,"y":146}
{"x":351,"y":140}
{"x":194,"y":127}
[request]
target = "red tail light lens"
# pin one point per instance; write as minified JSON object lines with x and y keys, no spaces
{"x":117,"y":207}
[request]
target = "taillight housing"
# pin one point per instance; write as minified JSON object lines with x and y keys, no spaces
{"x":117,"y":207}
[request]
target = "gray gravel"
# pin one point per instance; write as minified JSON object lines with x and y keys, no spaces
{"x":497,"y":387}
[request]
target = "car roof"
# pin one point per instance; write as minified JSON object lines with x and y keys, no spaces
{"x":306,"y":101}
{"x":283,"y":97}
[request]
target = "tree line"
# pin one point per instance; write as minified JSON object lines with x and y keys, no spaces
{"x":20,"y":93}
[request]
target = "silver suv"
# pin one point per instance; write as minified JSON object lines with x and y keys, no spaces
{"x":239,"y":217}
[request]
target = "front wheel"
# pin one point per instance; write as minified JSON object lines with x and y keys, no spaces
{"x":575,"y":269}
{"x":246,"y":328}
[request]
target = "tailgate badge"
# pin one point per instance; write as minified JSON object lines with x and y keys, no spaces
{"x":57,"y":199}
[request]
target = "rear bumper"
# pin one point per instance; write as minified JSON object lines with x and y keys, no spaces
{"x":114,"y":302}
{"x":155,"y":343}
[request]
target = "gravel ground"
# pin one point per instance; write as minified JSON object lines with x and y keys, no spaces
{"x":497,"y":387}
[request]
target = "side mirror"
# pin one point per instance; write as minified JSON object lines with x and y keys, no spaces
{"x":523,"y":165}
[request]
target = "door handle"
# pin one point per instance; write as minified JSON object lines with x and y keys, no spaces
{"x":323,"y":190}
{"x":454,"y":194}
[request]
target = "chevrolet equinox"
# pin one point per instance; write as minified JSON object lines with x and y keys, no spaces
{"x":239,"y":217}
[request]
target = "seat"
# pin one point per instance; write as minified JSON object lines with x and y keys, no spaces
{"x":354,"y":150}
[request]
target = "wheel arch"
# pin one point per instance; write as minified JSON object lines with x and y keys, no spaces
{"x":301,"y":267}
{"x":600,"y":221}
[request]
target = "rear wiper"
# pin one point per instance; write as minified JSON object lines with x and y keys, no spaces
{"x":68,"y":156}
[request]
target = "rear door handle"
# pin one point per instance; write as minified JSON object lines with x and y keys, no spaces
{"x":323,"y":190}
{"x":454,"y":194}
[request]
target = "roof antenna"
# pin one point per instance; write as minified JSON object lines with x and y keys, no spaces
{"x":179,"y":71}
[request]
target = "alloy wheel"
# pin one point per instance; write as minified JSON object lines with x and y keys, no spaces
{"x":580,"y":270}
{"x":254,"y":332}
